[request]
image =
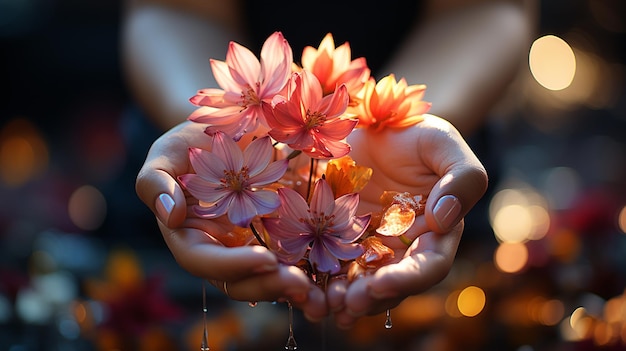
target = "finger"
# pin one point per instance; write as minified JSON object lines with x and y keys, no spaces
{"x":203,"y":256}
{"x":288,"y":283}
{"x":167,"y":158}
{"x":463,"y":178}
{"x":428,"y":261}
{"x":335,"y":294}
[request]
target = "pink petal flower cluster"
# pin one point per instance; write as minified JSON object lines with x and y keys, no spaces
{"x":308,"y":121}
{"x":228,"y":180}
{"x":328,"y":227}
{"x":245,"y":82}
{"x":312,"y":109}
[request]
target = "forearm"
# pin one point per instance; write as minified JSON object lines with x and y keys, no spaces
{"x":166,"y":56}
{"x":466,"y":57}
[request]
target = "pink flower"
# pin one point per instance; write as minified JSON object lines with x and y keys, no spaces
{"x":328,"y":226}
{"x":228,"y":180}
{"x":333,"y":66}
{"x":245,"y":82}
{"x":308,"y":121}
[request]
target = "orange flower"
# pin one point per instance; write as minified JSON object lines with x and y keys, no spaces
{"x":333,"y":66}
{"x":390,"y":103}
{"x":344,"y":176}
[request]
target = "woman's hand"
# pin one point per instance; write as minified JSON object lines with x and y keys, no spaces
{"x":431,"y":159}
{"x":245,"y":273}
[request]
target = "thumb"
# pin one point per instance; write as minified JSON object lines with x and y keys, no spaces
{"x":453,"y":196}
{"x":156,"y":183}
{"x":462,"y":180}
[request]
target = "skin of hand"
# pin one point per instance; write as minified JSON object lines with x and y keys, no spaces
{"x":162,"y":84}
{"x":252,"y":273}
{"x":432,"y":159}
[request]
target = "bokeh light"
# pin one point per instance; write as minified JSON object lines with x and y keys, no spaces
{"x":87,"y":208}
{"x":550,"y":312}
{"x":511,"y":257}
{"x":23,"y":152}
{"x":518,"y":215}
{"x":622,"y":220}
{"x":451,"y":305}
{"x":471,"y":301}
{"x":552,"y":62}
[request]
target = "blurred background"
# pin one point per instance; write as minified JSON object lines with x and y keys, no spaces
{"x":542,"y":265}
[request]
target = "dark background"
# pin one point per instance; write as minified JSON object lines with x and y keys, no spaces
{"x":68,"y":128}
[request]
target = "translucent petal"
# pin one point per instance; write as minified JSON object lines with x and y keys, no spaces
{"x":201,"y":189}
{"x":341,"y":250}
{"x":272,"y":173}
{"x":264,"y":201}
{"x":322,"y":259}
{"x":221,"y":73}
{"x":345,"y":207}
{"x":241,"y":210}
{"x":207,"y":165}
{"x":228,"y":151}
{"x":323,"y":200}
{"x":258,"y":155}
{"x":244,"y":65}
{"x":396,"y":220}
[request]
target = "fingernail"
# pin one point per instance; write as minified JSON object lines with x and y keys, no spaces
{"x":164,"y":206}
{"x":446,"y":211}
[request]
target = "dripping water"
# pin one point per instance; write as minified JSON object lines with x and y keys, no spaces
{"x":291,"y":341}
{"x":204,"y":346}
{"x":388,"y":323}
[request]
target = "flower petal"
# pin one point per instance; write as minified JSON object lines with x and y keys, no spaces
{"x":258,"y":155}
{"x":272,"y":173}
{"x":341,"y":250}
{"x":322,"y":259}
{"x":276,"y":61}
{"x":217,"y":209}
{"x":241,"y":210}
{"x":345,"y":208}
{"x":244,"y":65}
{"x":207,"y":165}
{"x":228,"y":151}
{"x":323,"y":200}
{"x":221,"y":73}
{"x":201,"y":189}
{"x":264,"y":201}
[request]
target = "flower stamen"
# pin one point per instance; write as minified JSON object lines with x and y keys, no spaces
{"x":236,"y":181}
{"x":314,"y":119}
{"x":249,"y":96}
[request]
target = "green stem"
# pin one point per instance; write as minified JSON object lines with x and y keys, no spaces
{"x":406,"y":241}
{"x":257,"y":236}
{"x":311,"y":169}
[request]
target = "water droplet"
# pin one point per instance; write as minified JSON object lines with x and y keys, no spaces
{"x":204,"y":346}
{"x":291,"y":341}
{"x":253,"y":304}
{"x":388,"y":323}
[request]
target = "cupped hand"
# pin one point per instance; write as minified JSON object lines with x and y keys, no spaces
{"x":245,"y":273}
{"x":431,"y":159}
